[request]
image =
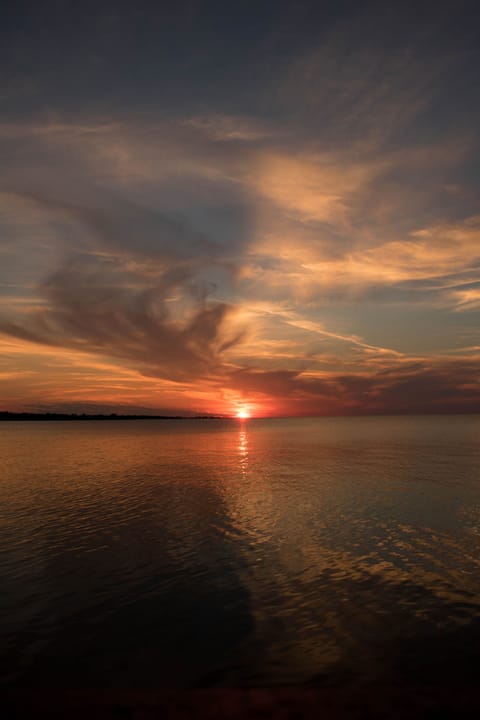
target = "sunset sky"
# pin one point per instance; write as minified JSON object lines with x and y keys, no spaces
{"x":214,"y":206}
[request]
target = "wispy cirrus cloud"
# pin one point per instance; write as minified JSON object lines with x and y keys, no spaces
{"x":226,"y":128}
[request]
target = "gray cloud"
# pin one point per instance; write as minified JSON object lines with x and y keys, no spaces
{"x":446,"y":386}
{"x":98,"y":306}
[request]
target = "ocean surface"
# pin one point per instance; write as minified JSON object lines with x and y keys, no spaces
{"x":209,"y":553}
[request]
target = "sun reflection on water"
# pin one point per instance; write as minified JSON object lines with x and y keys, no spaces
{"x":243,"y":449}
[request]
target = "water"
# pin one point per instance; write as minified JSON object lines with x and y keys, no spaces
{"x":214,"y":553}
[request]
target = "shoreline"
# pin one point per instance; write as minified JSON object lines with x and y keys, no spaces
{"x":49,"y":417}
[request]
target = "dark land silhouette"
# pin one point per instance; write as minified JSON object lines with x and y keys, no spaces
{"x":5,"y":415}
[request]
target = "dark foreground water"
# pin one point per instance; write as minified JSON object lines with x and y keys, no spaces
{"x":210,"y":553}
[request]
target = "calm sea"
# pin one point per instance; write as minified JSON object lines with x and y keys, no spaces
{"x":199,"y":553}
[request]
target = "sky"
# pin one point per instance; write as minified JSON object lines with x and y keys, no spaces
{"x":215,"y":207}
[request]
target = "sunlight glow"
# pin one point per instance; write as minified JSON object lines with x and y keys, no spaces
{"x":243,"y":414}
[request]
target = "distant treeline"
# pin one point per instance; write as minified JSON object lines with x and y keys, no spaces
{"x":84,"y":416}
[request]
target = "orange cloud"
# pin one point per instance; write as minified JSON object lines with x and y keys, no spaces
{"x":312,"y":188}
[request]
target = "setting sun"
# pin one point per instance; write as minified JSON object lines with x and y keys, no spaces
{"x":243,"y":414}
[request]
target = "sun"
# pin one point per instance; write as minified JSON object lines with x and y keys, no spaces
{"x":243,"y":414}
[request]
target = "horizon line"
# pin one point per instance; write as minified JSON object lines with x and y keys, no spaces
{"x":7,"y":415}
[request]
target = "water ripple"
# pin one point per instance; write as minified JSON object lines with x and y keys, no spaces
{"x":275,"y":552}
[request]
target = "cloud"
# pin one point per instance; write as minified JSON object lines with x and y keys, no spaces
{"x":428,"y":253}
{"x":206,"y":255}
{"x":99,"y":306}
{"x":439,"y":264}
{"x":312,"y":188}
{"x":372,"y":73}
{"x":229,"y":128}
{"x":303,"y":231}
{"x":466,"y":297}
{"x":423,"y":386}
